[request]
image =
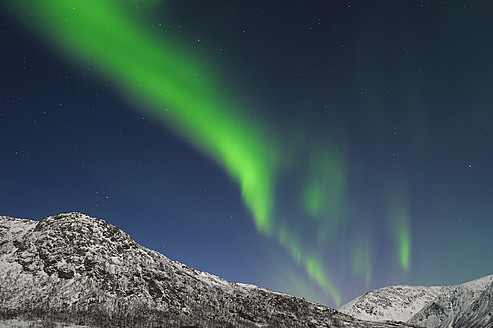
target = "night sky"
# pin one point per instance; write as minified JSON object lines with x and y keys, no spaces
{"x":319,"y":148}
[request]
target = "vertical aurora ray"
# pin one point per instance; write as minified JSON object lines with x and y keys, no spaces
{"x":399,"y":227}
{"x":176,"y":89}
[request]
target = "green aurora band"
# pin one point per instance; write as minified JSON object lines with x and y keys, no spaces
{"x":399,"y":226}
{"x":177,"y":90}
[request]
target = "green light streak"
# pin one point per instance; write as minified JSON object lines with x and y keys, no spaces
{"x":400,"y":229}
{"x":405,"y":246}
{"x":287,"y":278}
{"x":318,"y":274}
{"x":311,"y":263}
{"x":297,"y":285}
{"x":291,"y":243}
{"x":174,"y":87}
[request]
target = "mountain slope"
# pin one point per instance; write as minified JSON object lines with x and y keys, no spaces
{"x":479,"y":313}
{"x":461,"y":306}
{"x":457,"y":304}
{"x":398,"y":303}
{"x":74,"y":268}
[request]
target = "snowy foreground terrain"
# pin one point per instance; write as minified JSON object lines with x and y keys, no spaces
{"x":14,"y":323}
{"x":78,"y":270}
{"x":72,"y":270}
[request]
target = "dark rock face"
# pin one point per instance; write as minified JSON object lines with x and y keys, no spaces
{"x":74,"y":268}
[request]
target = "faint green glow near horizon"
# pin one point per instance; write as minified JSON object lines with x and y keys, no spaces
{"x":176,"y":89}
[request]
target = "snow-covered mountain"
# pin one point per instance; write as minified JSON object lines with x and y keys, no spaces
{"x":479,"y":313}
{"x":465,"y":305}
{"x":398,"y":303}
{"x":461,"y":306}
{"x":77,"y":269}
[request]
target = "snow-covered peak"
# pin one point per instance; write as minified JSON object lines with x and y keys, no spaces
{"x":397,"y":303}
{"x":477,"y":285}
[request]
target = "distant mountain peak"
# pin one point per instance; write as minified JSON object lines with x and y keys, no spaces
{"x":439,"y":306}
{"x":455,"y":303}
{"x":398,"y":303}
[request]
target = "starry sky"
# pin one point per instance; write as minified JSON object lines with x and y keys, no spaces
{"x":319,"y":148}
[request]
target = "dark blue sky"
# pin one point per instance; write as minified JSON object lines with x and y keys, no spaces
{"x":381,"y":112}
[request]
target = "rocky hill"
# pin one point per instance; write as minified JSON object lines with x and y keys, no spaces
{"x":80,"y":270}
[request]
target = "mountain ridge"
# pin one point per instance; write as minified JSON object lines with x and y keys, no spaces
{"x":466,"y":305}
{"x":454,"y":306}
{"x":74,"y":268}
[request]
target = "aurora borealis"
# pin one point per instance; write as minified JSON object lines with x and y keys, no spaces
{"x":321,"y":149}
